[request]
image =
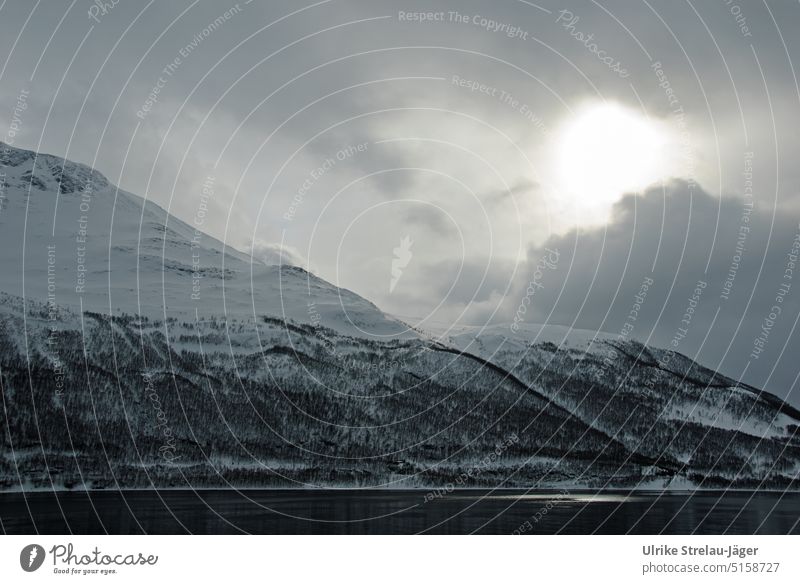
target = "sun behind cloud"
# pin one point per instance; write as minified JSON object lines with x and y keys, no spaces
{"x":605,"y":151}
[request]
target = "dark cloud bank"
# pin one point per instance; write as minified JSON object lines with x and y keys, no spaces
{"x":724,"y":281}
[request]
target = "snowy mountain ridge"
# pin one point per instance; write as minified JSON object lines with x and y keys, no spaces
{"x":82,"y":242}
{"x":172,"y":361}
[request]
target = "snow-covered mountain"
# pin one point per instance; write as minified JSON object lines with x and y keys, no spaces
{"x":68,"y":234}
{"x":135,"y":372}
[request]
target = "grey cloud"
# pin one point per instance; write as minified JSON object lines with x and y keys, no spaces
{"x":679,"y":236}
{"x":473,"y":281}
{"x":430,"y":217}
{"x":520,"y":188}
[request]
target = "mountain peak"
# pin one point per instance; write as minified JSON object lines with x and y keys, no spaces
{"x":46,"y":171}
{"x":128,"y":255}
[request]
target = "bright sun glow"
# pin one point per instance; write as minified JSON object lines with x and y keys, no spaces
{"x":605,"y":152}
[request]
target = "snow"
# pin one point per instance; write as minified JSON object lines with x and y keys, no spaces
{"x":138,"y":259}
{"x":487,"y":339}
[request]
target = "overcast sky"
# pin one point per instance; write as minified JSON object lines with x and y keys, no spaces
{"x":336,"y":129}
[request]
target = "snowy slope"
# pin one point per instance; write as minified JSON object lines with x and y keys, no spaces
{"x":109,"y":251}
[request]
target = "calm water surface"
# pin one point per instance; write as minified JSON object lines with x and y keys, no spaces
{"x":385,"y":512}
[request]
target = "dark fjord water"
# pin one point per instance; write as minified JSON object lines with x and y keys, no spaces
{"x":387,"y":512}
